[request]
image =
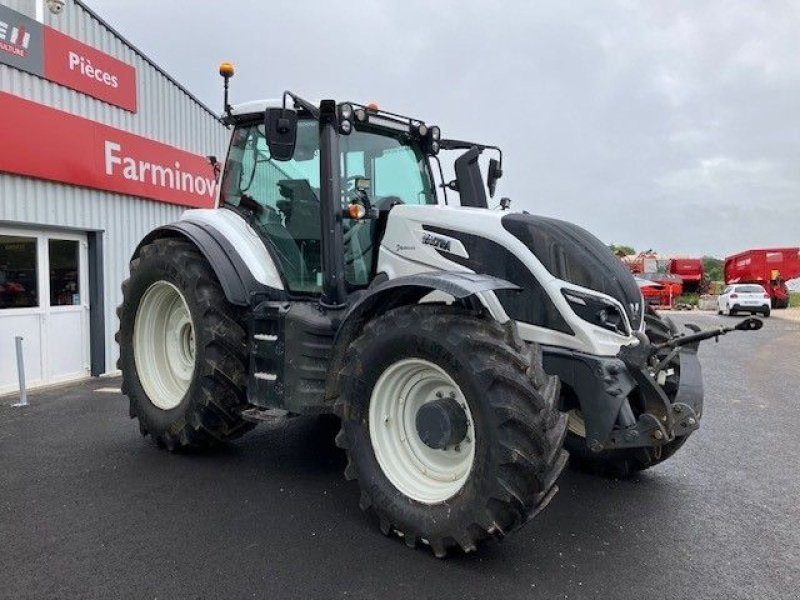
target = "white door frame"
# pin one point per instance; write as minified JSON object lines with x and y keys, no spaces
{"x":44,"y":310}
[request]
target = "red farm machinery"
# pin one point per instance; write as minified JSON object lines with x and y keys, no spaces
{"x":651,"y":267}
{"x":769,"y":267}
{"x":690,"y":270}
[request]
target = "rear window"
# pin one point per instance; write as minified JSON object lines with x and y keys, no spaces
{"x":750,"y":289}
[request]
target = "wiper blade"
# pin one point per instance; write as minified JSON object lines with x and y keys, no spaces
{"x":464,"y":145}
{"x":302,"y":102}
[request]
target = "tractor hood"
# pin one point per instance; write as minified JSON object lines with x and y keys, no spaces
{"x":573,"y":254}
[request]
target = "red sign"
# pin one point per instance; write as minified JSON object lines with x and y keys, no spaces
{"x":42,"y":142}
{"x":80,"y":67}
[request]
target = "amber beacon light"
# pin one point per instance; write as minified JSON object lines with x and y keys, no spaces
{"x":226,"y":70}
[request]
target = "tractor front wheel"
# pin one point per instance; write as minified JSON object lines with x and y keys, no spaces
{"x":450,"y":426}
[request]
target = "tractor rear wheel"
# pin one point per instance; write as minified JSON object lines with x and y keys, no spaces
{"x":450,"y":426}
{"x":183,"y":348}
{"x":626,"y":462}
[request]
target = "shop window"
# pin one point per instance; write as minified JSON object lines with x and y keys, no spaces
{"x":19,"y":286}
{"x":64,"y":275}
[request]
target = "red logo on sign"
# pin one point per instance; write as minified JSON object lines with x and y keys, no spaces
{"x":80,"y":67}
{"x":14,"y":40}
{"x":42,"y":142}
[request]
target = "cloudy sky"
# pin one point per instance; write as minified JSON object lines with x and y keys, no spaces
{"x":665,"y":125}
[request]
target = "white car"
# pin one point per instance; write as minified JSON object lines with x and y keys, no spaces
{"x":743,"y":297}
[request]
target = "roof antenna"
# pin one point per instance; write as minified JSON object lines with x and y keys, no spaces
{"x":226,"y":70}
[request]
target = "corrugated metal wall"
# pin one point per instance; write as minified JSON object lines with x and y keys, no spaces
{"x":166,"y":113}
{"x":26,"y":7}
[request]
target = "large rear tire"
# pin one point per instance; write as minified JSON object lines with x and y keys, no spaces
{"x":183,"y":349}
{"x":490,"y":479}
{"x":620,"y":464}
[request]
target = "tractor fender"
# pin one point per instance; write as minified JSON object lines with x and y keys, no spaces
{"x":236,"y":279}
{"x":403,"y":291}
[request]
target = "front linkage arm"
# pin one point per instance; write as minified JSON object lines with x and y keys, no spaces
{"x":639,"y":355}
{"x":751,"y":324}
{"x":663,"y":419}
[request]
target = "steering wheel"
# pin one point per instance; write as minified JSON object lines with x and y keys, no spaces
{"x":386,"y":203}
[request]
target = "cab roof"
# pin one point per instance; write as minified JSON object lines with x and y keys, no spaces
{"x":255,"y":106}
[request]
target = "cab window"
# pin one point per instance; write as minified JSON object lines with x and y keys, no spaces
{"x":284,"y":196}
{"x":397,"y":171}
{"x":284,"y":199}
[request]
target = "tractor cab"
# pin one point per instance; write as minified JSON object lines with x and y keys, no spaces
{"x":317,"y":183}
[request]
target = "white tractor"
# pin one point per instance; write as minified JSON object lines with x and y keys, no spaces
{"x":336,"y":276}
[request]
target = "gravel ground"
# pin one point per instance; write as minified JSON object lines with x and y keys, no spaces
{"x":88,"y":509}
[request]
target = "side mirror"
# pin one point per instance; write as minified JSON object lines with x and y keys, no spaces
{"x":281,"y":131}
{"x":495,"y":172}
{"x":468,"y":179}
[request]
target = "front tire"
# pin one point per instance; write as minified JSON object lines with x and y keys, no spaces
{"x":182,"y":349}
{"x":489,"y":480}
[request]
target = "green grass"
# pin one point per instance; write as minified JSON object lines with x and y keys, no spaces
{"x":794,"y":298}
{"x":691,"y":299}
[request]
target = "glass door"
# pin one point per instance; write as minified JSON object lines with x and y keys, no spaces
{"x":21,"y":306}
{"x":66,"y":308}
{"x":43,"y":299}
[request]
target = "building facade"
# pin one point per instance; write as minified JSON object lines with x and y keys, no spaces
{"x":97,"y":147}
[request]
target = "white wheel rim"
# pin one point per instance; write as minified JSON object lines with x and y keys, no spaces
{"x":575,"y":422}
{"x":418,"y":471}
{"x":164,"y":345}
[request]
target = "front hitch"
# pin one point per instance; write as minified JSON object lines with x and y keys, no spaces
{"x":663,"y":419}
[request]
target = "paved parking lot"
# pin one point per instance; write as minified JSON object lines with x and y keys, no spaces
{"x":89,"y":509}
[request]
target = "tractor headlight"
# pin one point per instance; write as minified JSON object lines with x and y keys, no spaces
{"x":345,"y":119}
{"x":430,"y":137}
{"x":596,"y":310}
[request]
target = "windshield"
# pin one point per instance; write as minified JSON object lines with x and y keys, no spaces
{"x":284,"y":195}
{"x":750,"y":289}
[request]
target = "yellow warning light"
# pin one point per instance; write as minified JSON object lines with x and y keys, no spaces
{"x":226,"y":69}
